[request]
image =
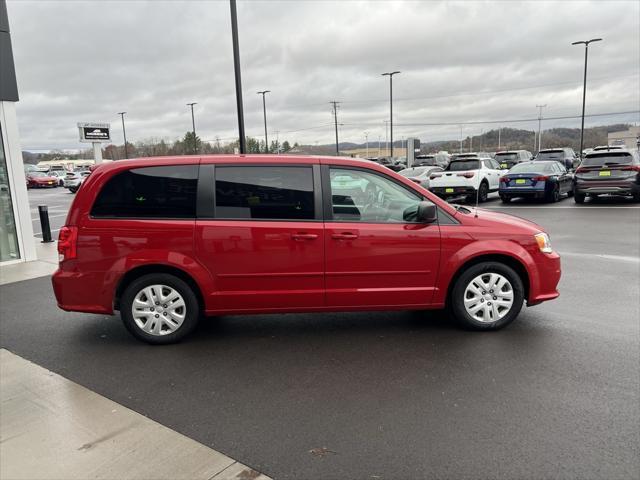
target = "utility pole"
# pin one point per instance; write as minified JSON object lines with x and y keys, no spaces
{"x":236,"y":68}
{"x":193,"y":126}
{"x":584,"y":87}
{"x":366,"y":141}
{"x":390,"y":75}
{"x":264,"y":111}
{"x":124,"y":134}
{"x":335,"y":119}
{"x":540,"y":107}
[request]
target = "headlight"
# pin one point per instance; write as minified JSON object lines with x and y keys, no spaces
{"x":544,"y":244}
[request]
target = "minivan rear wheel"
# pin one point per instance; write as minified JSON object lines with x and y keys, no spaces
{"x":487,"y":296}
{"x":159,"y":308}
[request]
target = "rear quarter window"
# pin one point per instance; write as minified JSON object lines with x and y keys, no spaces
{"x":149,"y":192}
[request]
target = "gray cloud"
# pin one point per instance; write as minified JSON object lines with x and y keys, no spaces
{"x":460,"y":61}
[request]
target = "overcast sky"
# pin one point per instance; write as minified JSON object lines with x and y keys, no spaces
{"x":460,"y":61}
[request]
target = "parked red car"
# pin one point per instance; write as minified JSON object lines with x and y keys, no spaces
{"x":41,"y":180}
{"x":164,"y":240}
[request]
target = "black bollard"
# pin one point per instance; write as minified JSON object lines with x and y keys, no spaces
{"x":43,"y":210}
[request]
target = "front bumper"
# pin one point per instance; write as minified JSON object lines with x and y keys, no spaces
{"x":549,"y":272}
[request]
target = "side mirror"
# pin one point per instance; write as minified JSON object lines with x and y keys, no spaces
{"x":427,"y":212}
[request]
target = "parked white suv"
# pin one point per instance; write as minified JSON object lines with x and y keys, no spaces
{"x":467,"y":177}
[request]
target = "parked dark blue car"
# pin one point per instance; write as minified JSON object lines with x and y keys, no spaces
{"x":547,"y":180}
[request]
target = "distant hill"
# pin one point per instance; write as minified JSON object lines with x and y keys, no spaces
{"x":510,"y":138}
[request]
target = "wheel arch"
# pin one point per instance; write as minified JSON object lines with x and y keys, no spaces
{"x":508,"y":260}
{"x":141,"y":270}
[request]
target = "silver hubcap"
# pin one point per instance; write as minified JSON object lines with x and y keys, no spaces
{"x":488,"y":297}
{"x":158,"y":310}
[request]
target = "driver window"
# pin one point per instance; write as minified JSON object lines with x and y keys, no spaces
{"x":359,"y":196}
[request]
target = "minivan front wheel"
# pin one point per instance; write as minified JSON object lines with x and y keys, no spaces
{"x":487,"y":296}
{"x":159,"y":308}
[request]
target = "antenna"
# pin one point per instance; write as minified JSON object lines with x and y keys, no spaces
{"x":477,"y":197}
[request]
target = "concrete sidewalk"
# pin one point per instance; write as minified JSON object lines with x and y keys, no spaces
{"x":52,"y":428}
{"x":45,"y":265}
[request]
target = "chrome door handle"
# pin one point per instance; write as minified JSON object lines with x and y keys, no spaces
{"x":344,"y":236}
{"x":303,"y":236}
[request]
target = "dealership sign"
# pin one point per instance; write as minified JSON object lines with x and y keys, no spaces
{"x":94,"y":132}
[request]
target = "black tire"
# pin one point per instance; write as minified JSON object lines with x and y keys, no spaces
{"x":554,"y":195}
{"x":73,"y":190}
{"x":570,"y":192}
{"x":578,"y":197}
{"x":192,"y":314}
{"x":636,"y":196}
{"x":456,"y":299}
{"x":483,"y":192}
{"x":505,"y":199}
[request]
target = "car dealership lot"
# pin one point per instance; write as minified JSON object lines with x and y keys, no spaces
{"x":386,"y":394}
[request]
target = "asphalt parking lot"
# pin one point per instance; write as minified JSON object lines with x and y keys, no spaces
{"x":387,"y":394}
{"x":57,"y":200}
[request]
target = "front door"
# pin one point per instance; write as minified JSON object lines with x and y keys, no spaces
{"x":376,"y":253}
{"x":264,"y":246}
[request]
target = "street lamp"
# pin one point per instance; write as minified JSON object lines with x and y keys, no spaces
{"x":366,"y":141}
{"x":264,"y":111}
{"x":540,"y":107}
{"x":584,"y":87}
{"x":236,"y":67}
{"x":124,"y":134}
{"x":390,"y":75}
{"x":193,"y":126}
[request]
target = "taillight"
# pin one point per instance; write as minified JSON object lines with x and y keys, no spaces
{"x":466,"y":174}
{"x":541,"y":178}
{"x":504,"y":179}
{"x":67,"y":242}
{"x":581,"y":170}
{"x":635,"y":168}
{"x":435,"y":175}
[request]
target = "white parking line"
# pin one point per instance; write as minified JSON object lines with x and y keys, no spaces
{"x":50,"y":216}
{"x":601,"y":256}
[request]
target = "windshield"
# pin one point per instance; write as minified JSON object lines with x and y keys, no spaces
{"x":550,"y":155}
{"x":538,"y":167}
{"x":609,"y":158}
{"x":506,"y":156}
{"x":38,"y":174}
{"x":462,"y":165}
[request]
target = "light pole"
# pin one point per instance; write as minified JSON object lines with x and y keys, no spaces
{"x":540,"y":107}
{"x":236,"y":68}
{"x":193,"y":127}
{"x":335,"y":118}
{"x":264,"y":111}
{"x":124,"y":134}
{"x":366,"y":141}
{"x":391,"y":74}
{"x":584,"y":87}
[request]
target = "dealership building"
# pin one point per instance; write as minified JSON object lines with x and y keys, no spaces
{"x":17,"y":243}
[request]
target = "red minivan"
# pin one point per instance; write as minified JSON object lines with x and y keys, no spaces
{"x":167,"y":240}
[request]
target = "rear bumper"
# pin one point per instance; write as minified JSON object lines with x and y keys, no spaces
{"x":73,"y":289}
{"x":522,"y":192}
{"x":446,"y":192}
{"x":619,"y":187}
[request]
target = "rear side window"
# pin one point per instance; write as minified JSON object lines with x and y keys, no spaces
{"x":273,"y":192}
{"x":149,"y":192}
